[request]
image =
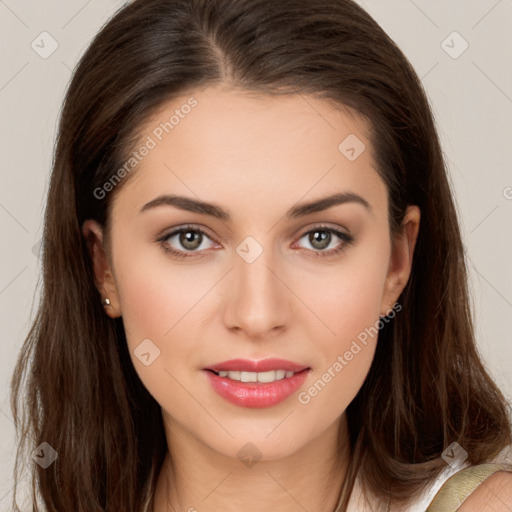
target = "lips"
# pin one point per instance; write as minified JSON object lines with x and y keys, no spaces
{"x":239,"y":391}
{"x":256,"y":394}
{"x":264,"y":365}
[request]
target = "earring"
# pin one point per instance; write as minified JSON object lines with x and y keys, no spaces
{"x":385,"y":315}
{"x":106,"y":301}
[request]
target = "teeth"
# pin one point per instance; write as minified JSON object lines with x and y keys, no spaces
{"x":248,"y":376}
{"x":270,"y":376}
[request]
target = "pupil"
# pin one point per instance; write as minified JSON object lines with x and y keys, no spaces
{"x":321,"y":236}
{"x":188,"y":239}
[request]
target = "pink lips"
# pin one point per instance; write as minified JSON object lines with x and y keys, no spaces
{"x":256,"y":394}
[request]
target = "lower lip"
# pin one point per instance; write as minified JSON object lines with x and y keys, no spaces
{"x":256,"y":395}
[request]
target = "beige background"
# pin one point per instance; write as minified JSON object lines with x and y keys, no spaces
{"x":471,"y":94}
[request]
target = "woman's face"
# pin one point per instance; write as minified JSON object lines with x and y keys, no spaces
{"x":269,"y":278}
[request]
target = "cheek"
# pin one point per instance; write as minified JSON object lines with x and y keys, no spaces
{"x":346,"y":297}
{"x":161,"y":301}
{"x":157,"y":304}
{"x":346,"y":302}
{"x":156,"y":293}
{"x":145,"y":298}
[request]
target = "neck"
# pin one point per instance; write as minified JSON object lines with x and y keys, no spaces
{"x":197,"y":478}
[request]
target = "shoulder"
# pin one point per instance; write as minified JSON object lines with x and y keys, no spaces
{"x":492,"y":494}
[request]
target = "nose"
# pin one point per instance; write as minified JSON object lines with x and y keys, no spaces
{"x":257,"y":300}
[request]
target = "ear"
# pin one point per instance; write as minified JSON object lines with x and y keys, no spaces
{"x":401,"y":259}
{"x":104,"y":278}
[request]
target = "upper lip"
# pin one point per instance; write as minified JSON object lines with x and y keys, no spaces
{"x":264,"y":365}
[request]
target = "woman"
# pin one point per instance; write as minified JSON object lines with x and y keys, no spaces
{"x":255,"y":293}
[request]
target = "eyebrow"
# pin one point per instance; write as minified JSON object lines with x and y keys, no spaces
{"x":300,"y":210}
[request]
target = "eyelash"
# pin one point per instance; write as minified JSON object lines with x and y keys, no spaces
{"x":347,"y":241}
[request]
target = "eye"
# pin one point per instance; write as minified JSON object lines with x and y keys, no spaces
{"x":187,"y":239}
{"x":321,"y":237}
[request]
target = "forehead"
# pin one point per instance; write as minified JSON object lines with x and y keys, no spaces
{"x":227,"y":144}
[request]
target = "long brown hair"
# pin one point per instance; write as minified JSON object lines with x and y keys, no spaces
{"x":427,"y":386}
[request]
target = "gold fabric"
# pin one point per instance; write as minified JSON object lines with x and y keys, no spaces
{"x":459,"y":486}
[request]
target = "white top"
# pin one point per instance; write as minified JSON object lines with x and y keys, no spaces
{"x":358,"y":503}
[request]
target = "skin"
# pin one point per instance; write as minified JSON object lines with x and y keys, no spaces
{"x":256,"y":157}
